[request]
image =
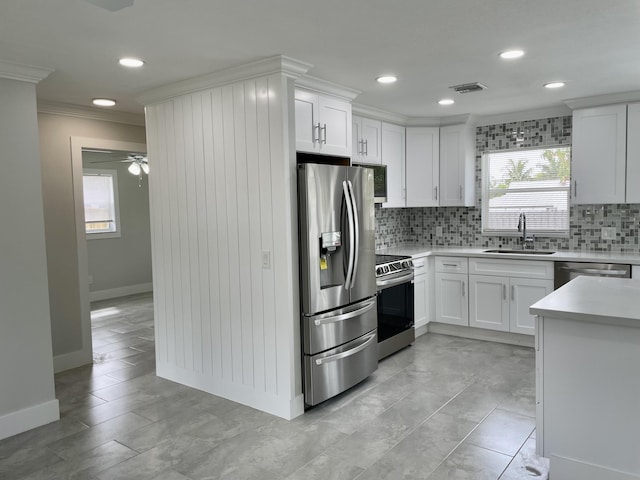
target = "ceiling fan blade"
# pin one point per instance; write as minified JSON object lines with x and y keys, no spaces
{"x":111,"y":161}
{"x":112,"y":5}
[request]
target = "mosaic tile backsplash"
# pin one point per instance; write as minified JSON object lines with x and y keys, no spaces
{"x":462,"y":226}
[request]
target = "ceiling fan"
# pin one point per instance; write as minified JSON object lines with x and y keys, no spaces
{"x":139,"y":164}
{"x":112,"y":5}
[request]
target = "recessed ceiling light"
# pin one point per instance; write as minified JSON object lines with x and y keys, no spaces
{"x":131,"y":62}
{"x":104,"y":102}
{"x":511,"y":54}
{"x":387,"y":79}
{"x":446,"y":101}
{"x":554,"y":85}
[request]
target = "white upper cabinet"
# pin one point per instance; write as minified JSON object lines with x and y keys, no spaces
{"x":633,"y":153}
{"x":422,"y":166}
{"x":323,"y":124}
{"x":366,"y":140}
{"x":393,"y":156}
{"x":457,"y":166}
{"x":599,"y":154}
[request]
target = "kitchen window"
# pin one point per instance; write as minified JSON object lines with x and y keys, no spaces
{"x":530,"y":181}
{"x":101,"y":213}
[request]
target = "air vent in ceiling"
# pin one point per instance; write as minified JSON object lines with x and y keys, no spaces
{"x":469,"y":87}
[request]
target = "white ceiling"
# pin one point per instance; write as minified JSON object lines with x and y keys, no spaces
{"x":593,"y":45}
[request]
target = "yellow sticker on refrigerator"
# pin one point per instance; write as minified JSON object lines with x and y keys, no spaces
{"x":323,"y":263}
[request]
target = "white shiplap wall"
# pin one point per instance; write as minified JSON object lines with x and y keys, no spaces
{"x":222,"y":188}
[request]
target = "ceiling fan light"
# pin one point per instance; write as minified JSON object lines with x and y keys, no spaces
{"x":134,"y":168}
{"x":145,"y":168}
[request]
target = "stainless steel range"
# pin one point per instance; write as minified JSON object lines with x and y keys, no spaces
{"x":394,"y":281}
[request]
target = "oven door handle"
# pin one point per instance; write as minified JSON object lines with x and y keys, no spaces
{"x":394,"y":281}
{"x":344,"y":316}
{"x":339,"y":356}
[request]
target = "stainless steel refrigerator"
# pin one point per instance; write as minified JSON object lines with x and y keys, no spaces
{"x":337,"y":277}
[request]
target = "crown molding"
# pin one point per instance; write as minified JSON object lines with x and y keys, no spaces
{"x":608,"y":99}
{"x":378,"y":114}
{"x":281,"y":64}
{"x":81,"y":111}
{"x":323,"y":86}
{"x":23,"y":73}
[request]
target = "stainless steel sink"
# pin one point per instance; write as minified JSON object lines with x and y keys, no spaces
{"x":521,"y":252}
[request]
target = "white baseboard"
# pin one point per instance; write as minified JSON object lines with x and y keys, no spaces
{"x":120,"y":291}
{"x":562,"y":468}
{"x":67,"y":361}
{"x":17,"y":422}
{"x":482,"y":334}
{"x":287,"y":408}
{"x":421,"y":329}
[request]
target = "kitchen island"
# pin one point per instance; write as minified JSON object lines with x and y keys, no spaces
{"x":588,"y":379}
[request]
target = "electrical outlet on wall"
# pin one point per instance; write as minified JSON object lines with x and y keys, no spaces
{"x":439,"y":231}
{"x":90,"y":279}
{"x":608,"y":233}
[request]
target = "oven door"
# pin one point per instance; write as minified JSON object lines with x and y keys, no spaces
{"x":395,"y":314}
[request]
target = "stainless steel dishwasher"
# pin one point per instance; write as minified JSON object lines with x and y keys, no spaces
{"x":565,"y":271}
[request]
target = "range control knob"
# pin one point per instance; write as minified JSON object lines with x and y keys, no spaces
{"x":379,"y":271}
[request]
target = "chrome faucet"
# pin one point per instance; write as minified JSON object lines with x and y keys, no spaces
{"x":527,"y":242}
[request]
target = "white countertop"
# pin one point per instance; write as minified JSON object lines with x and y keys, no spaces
{"x":612,"y":301}
{"x":421,"y":250}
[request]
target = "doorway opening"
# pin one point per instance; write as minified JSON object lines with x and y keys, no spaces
{"x":111,"y":192}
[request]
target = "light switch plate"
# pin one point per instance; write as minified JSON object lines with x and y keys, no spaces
{"x":439,"y":231}
{"x":266,"y":259}
{"x":608,"y":233}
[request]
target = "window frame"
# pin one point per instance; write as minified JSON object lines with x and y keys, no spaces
{"x":116,"y":204}
{"x":485,"y":186}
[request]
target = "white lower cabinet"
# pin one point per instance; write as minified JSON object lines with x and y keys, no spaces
{"x":502,"y":303}
{"x":451,"y":298}
{"x":451,"y":291}
{"x":488,"y":302}
{"x":421,"y":286}
{"x":501,"y":292}
{"x":524,"y":293}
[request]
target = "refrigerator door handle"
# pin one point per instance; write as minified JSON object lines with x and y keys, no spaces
{"x":338,"y":356}
{"x":347,"y":197}
{"x":345,"y":316}
{"x":356,"y":231}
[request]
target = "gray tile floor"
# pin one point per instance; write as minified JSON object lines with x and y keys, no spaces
{"x":445,"y":408}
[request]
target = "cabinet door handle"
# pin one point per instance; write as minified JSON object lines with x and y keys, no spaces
{"x":575,"y":188}
{"x":366,"y":148}
{"x":316,"y":138}
{"x":324,"y":131}
{"x":460,"y":192}
{"x":361,"y":152}
{"x":504,"y":291}
{"x":436,"y":192}
{"x":464,"y":288}
{"x":513,"y":292}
